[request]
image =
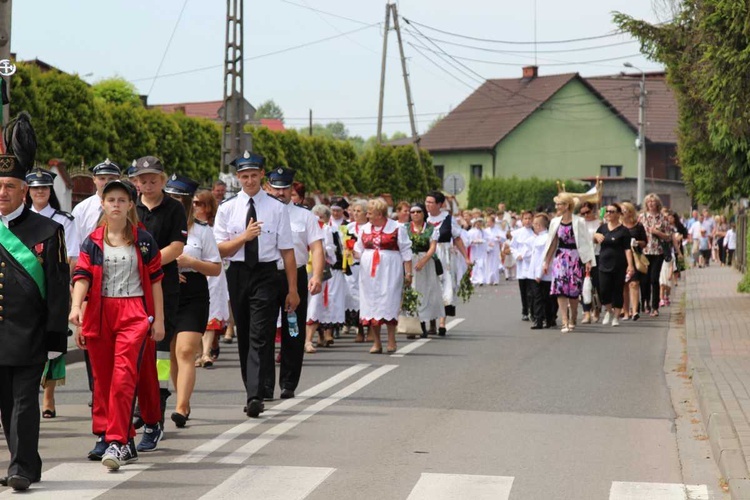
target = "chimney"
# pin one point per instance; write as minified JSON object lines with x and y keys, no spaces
{"x":530,"y":72}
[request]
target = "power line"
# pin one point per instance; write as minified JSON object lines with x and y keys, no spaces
{"x":339,"y":16}
{"x":511,"y":42}
{"x":166,"y":49}
{"x":260,"y":56}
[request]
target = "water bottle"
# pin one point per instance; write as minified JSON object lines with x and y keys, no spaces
{"x":292,"y":321}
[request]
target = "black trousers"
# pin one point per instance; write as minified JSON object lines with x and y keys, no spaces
{"x":253,"y":294}
{"x":722,"y":250}
{"x":611,"y":286}
{"x":19,"y":407}
{"x":292,"y":348}
{"x":543,"y":305}
{"x":650,"y":285}
{"x":524,"y":286}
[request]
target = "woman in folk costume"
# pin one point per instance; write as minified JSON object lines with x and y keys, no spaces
{"x":327,"y":309}
{"x":568,"y":254}
{"x":495,"y":238}
{"x":426,"y":281}
{"x":384,"y":248}
{"x":358,"y":213}
{"x":41,"y":198}
{"x":450,"y":245}
{"x":478,"y":251}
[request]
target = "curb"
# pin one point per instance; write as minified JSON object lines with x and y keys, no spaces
{"x":723,"y":438}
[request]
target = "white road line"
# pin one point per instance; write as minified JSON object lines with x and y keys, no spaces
{"x":245,"y":452}
{"x":454,"y":323}
{"x":450,"y":486}
{"x":78,"y":481}
{"x":657,"y":491}
{"x":409,"y":348}
{"x":271,"y":483}
{"x":202,"y":451}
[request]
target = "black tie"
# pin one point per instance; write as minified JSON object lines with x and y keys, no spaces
{"x":251,"y":247}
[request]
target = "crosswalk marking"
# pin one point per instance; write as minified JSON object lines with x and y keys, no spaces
{"x":450,"y":486}
{"x":657,"y":491}
{"x":202,"y":451}
{"x":271,"y":483}
{"x":79,"y":481}
{"x":245,"y":452}
{"x":409,"y":348}
{"x":454,"y":323}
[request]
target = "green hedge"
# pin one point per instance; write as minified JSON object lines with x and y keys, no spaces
{"x":75,"y":125}
{"x":518,"y":194}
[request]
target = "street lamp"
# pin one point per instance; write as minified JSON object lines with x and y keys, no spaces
{"x":640,"y":143}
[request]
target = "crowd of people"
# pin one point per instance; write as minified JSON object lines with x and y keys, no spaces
{"x":163,"y":271}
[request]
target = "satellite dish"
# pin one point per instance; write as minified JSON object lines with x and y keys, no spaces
{"x":454,"y":184}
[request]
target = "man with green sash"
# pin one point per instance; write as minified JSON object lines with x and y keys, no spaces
{"x":34,"y":297}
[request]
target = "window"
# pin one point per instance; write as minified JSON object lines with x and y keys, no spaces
{"x":611,"y":171}
{"x":440,"y":171}
{"x":476,"y":171}
{"x":608,"y":200}
{"x":674,"y":173}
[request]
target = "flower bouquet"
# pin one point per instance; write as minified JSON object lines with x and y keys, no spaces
{"x":466,"y":288}
{"x":408,"y":320}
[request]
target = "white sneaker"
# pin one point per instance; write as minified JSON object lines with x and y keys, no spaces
{"x":615,"y":321}
{"x":606,"y":319}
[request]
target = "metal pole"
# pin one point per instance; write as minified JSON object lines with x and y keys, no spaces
{"x":311,"y":123}
{"x":409,"y":101}
{"x":382,"y":72}
{"x":6,"y":9}
{"x":641,"y":185}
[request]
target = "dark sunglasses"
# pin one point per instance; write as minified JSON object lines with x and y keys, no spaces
{"x":415,"y":212}
{"x":586,"y":212}
{"x":612,"y":211}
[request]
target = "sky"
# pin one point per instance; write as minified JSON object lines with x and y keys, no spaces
{"x":325,"y":55}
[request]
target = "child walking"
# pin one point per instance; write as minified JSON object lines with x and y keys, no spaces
{"x":119,"y":267}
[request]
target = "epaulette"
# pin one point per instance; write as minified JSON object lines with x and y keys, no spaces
{"x":303,"y":206}
{"x":65,"y":214}
{"x":200,"y":222}
{"x":227,"y":199}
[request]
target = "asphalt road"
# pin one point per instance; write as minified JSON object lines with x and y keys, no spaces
{"x":493,"y":410}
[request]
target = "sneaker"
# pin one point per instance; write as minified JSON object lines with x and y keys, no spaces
{"x":607,"y":318}
{"x":615,"y":321}
{"x":152,"y":434}
{"x":100,"y":448}
{"x":524,"y":317}
{"x":118,"y":455}
{"x":662,"y":303}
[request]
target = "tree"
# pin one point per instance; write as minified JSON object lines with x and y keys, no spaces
{"x":269,"y":109}
{"x":434,"y":122}
{"x":116,"y":90}
{"x":705,"y":51}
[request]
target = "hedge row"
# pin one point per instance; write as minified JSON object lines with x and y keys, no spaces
{"x":518,"y":194}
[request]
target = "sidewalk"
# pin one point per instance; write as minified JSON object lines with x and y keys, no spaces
{"x":717,"y":326}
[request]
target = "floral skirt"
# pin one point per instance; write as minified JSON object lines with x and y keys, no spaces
{"x":567,"y":274}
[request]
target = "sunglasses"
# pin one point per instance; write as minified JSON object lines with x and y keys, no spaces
{"x":586,"y":212}
{"x":611,"y":211}
{"x":415,"y":212}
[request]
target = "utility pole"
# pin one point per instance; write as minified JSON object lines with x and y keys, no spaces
{"x":382,"y":72}
{"x":311,"y":123}
{"x":234,"y":139}
{"x":409,"y":101}
{"x":641,"y":186}
{"x":6,"y":9}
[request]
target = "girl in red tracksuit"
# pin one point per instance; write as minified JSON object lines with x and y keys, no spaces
{"x":119,"y":267}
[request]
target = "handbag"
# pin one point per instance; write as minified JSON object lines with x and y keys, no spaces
{"x":438,"y":265}
{"x":408,"y":325}
{"x":587,"y":289}
{"x":640,"y":260}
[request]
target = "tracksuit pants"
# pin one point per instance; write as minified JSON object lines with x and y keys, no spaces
{"x":116,"y":355}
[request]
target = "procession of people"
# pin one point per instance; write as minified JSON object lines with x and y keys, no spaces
{"x":160,"y":270}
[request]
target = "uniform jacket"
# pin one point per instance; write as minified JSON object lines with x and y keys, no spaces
{"x":89,"y":267}
{"x":584,"y":243}
{"x":30,"y":325}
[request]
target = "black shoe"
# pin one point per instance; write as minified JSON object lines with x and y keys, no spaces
{"x":99,"y":449}
{"x":537,"y":327}
{"x":254,"y":408}
{"x":441,"y":331}
{"x":268,"y":396}
{"x":287,"y":394}
{"x":524,"y":317}
{"x":636,"y":317}
{"x":215,"y":353}
{"x":4,"y":481}
{"x":19,"y":483}
{"x":179,"y":419}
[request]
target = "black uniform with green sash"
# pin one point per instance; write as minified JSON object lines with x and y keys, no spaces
{"x":34,"y":300}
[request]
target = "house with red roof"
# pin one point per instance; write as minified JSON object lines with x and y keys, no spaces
{"x":563,"y":127}
{"x":214,"y":110}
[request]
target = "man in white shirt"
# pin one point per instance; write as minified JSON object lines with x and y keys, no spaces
{"x":253,"y":232}
{"x":520,"y":248}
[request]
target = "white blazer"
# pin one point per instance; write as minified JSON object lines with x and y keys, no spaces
{"x":584,"y":243}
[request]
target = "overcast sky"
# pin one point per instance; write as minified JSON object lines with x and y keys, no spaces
{"x":337,"y":78}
